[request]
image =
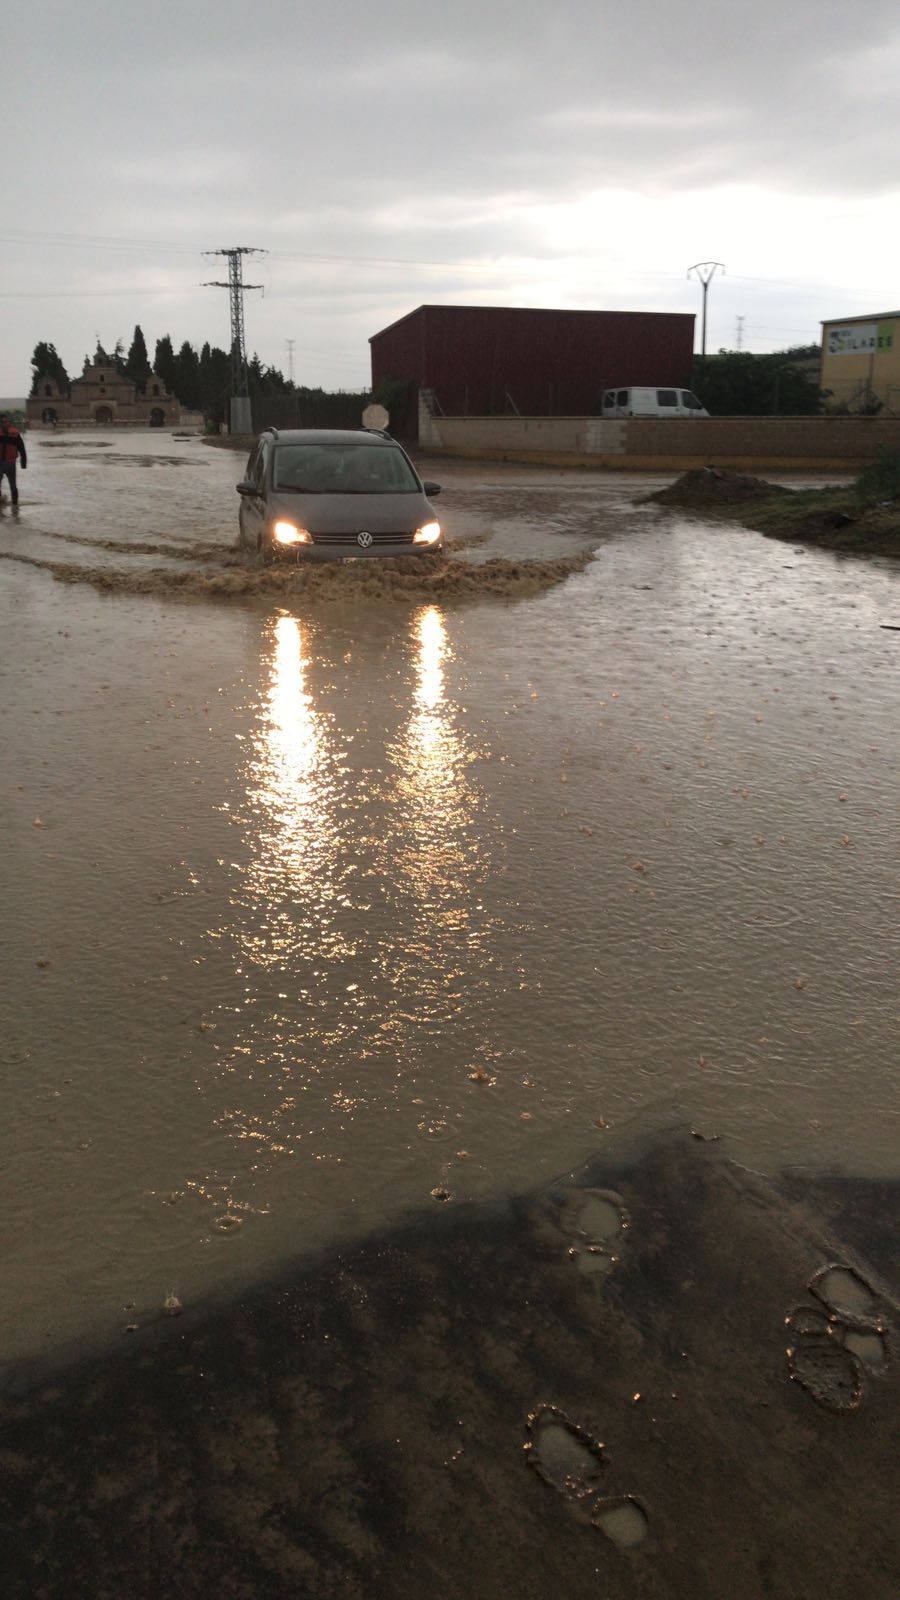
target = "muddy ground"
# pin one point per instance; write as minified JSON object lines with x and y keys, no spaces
{"x":856,"y":519}
{"x":586,"y":1390}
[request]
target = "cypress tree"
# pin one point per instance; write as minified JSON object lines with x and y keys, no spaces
{"x":165,"y":364}
{"x":137,"y":365}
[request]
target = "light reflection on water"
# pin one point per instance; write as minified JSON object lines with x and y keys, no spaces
{"x":291,"y":813}
{"x":357,"y":919}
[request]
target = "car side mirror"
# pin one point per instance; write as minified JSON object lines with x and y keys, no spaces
{"x":245,"y":487}
{"x":431,"y":488}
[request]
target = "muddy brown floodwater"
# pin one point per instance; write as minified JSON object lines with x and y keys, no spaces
{"x":342,"y":900}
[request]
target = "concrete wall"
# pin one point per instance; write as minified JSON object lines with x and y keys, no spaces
{"x":663,"y":444}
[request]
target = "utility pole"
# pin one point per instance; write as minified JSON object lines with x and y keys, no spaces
{"x":706,"y":271}
{"x":241,"y":411}
{"x":290,"y":350}
{"x":740,"y":332}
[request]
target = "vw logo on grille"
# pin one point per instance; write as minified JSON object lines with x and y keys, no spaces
{"x":364,"y":539}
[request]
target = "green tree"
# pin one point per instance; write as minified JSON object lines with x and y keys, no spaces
{"x":265,"y":380}
{"x":186,"y":383}
{"x":165,"y":363}
{"x":46,"y":363}
{"x":137,"y":365}
{"x":737,"y":383}
{"x":393,"y":394}
{"x":215,"y":384}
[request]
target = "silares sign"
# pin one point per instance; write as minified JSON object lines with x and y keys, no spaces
{"x":862,"y":339}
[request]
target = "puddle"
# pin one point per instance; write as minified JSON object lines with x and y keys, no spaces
{"x":870,"y":1348}
{"x":623,"y":1520}
{"x":78,"y":451}
{"x":563,"y":1454}
{"x":808,"y":1321}
{"x":828,"y":1372}
{"x":75,"y":444}
{"x":593,"y":1261}
{"x":599,"y":1215}
{"x":144,"y":547}
{"x":848,"y":1295}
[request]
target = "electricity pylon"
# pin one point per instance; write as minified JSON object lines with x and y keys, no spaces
{"x":240,"y":403}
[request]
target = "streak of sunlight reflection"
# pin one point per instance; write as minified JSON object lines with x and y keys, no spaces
{"x":361,"y":936}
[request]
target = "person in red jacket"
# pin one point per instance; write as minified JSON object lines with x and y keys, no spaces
{"x":12,"y":450}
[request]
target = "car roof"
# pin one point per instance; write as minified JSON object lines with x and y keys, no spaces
{"x":329,"y":436}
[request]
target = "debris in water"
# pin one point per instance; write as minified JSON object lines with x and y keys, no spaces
{"x":440,"y":1193}
{"x":228,"y":1222}
{"x":171,"y":1306}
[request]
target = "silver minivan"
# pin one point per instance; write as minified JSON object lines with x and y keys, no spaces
{"x":652,"y":403}
{"x":317,"y":494}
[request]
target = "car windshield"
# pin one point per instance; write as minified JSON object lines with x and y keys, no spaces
{"x":342,"y":469}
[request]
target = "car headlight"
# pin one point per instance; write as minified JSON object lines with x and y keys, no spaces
{"x":289,"y":533}
{"x":429,"y":533}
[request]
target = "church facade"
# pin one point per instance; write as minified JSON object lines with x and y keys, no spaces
{"x":101,"y":397}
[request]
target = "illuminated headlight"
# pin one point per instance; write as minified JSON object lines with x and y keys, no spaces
{"x":289,"y":533}
{"x":429,"y":533}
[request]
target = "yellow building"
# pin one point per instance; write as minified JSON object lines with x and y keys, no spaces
{"x":861,"y":362}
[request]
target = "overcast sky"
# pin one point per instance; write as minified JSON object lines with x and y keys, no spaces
{"x":581,"y":153}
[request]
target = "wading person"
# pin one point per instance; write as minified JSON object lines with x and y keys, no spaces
{"x":12,"y":450}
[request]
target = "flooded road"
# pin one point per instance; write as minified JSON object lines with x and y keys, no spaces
{"x":342,"y":894}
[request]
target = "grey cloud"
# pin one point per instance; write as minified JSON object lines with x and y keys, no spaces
{"x":316,"y":129}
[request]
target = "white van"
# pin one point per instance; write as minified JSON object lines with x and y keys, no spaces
{"x":652,"y":403}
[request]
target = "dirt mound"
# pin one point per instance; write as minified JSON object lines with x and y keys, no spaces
{"x":712,"y":486}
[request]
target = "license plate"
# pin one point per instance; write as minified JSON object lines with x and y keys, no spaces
{"x":345,"y":560}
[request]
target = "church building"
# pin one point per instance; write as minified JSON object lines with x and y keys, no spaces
{"x":101,"y":397}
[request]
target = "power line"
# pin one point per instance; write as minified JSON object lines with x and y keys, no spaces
{"x":84,"y":294}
